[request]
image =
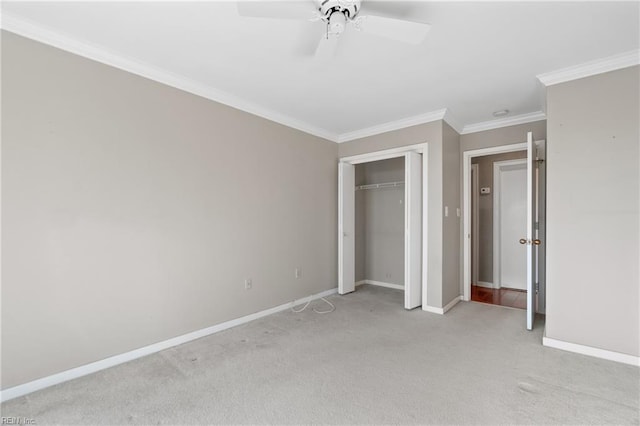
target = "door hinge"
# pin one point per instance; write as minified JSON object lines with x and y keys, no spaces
{"x":537,"y":287}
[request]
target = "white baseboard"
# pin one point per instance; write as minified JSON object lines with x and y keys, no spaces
{"x":444,"y":310}
{"x":381,"y":284}
{"x":485,"y":284}
{"x":591,"y":351}
{"x":93,"y":367}
{"x":453,"y":303}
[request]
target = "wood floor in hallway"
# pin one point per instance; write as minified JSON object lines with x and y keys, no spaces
{"x":500,"y":296}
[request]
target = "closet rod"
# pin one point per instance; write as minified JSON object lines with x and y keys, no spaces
{"x":380,"y":185}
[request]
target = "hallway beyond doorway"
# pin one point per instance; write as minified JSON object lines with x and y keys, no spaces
{"x":500,"y":296}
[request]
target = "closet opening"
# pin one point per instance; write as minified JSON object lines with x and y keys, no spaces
{"x":379,"y":223}
{"x":381,"y":210}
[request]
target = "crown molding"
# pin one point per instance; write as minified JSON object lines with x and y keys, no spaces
{"x":451,"y":121}
{"x":393,"y":125}
{"x":31,"y":30}
{"x":504,"y":122}
{"x":611,"y":63}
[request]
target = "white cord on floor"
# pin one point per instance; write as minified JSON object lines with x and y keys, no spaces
{"x":303,"y":308}
{"x":333,"y":308}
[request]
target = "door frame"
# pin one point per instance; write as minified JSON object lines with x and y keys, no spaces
{"x":466,"y":206}
{"x":421,"y":148}
{"x":541,"y":197}
{"x":499,"y":167}
{"x":475,"y":223}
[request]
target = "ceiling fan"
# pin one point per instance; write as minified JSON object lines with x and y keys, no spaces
{"x":336,"y":16}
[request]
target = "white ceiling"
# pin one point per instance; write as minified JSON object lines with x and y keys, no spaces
{"x":478,"y":57}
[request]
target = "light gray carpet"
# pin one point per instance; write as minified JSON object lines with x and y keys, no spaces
{"x":369,"y":362}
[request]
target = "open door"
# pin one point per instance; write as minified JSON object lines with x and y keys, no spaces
{"x":541,"y":200}
{"x":413,"y":231}
{"x":531,"y":240}
{"x":346,"y":228}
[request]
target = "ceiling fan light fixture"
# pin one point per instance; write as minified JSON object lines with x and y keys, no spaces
{"x":337,"y":23}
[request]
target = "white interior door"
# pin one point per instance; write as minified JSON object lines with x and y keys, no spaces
{"x":413,"y":230}
{"x":531,"y":240}
{"x":346,"y":228}
{"x":511,"y":217}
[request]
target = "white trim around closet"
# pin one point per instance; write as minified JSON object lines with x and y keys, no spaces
{"x":385,"y":154}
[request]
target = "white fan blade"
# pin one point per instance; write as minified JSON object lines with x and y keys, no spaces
{"x":308,"y":39}
{"x":392,"y":9}
{"x":327,"y":47}
{"x":396,"y":29}
{"x":301,"y":9}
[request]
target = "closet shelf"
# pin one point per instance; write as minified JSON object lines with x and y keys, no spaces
{"x":380,"y":185}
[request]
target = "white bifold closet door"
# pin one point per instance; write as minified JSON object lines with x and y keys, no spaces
{"x":413,"y":230}
{"x":346,"y":228}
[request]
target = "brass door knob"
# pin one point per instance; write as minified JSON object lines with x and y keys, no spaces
{"x":536,"y":242}
{"x":523,"y":241}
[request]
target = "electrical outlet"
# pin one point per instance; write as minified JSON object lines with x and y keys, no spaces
{"x":298,"y":272}
{"x":248,"y":284}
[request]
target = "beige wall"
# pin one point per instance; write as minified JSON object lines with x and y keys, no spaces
{"x":132,"y":212}
{"x":485,"y":207}
{"x":451,"y":255}
{"x":593,"y":189}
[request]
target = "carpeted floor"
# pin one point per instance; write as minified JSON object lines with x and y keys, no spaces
{"x":369,"y":362}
